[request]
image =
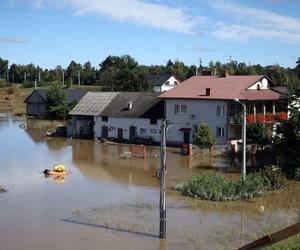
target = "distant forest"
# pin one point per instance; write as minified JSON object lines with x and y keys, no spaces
{"x":124,"y":73}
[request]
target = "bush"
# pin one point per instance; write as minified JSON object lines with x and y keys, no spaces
{"x":274,"y":178}
{"x":204,"y":137}
{"x":217,"y":188}
{"x":297,"y":174}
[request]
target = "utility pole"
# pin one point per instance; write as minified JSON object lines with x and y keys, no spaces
{"x":7,"y":77}
{"x":25,"y":78}
{"x":39,"y":75}
{"x":244,"y":136}
{"x":78,"y":78}
{"x":63,"y":77}
{"x":162,"y":179}
{"x":35,"y":87}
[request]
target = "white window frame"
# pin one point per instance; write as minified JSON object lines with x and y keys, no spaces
{"x":220,"y":111}
{"x":179,"y":109}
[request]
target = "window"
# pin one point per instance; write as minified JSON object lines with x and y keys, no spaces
{"x":220,"y":111}
{"x":104,"y":118}
{"x":153,"y":121}
{"x":153,"y":131}
{"x":167,"y":83}
{"x":220,"y":132}
{"x":180,"y":109}
{"x":175,"y":83}
{"x":143,"y":131}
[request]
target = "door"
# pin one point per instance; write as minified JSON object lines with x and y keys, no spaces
{"x":104,"y":132}
{"x":120,"y":134}
{"x":91,"y":128}
{"x":186,"y":137}
{"x":132,"y":134}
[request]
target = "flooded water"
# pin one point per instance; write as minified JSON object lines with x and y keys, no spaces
{"x":109,"y":202}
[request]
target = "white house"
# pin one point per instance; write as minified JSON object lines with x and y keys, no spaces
{"x":132,"y":117}
{"x":209,"y":99}
{"x":81,"y":118}
{"x":163,"y":82}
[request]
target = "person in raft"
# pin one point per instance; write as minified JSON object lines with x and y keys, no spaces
{"x":56,"y":168}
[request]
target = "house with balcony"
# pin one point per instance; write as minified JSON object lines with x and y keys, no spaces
{"x":210,"y":99}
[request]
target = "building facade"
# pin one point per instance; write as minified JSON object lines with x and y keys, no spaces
{"x":210,"y":100}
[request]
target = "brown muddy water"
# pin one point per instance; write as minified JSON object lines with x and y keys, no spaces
{"x":112,"y":203}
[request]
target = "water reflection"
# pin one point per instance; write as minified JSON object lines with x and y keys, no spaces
{"x":101,"y":177}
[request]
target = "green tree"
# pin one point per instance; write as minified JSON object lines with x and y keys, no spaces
{"x":3,"y":68}
{"x":56,"y":107}
{"x":123,"y":74}
{"x":204,"y":137}
{"x":256,"y":133}
{"x":72,"y":73}
{"x":288,"y":140}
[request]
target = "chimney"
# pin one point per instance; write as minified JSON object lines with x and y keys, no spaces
{"x":206,"y":72}
{"x":129,"y":105}
{"x":226,"y":73}
{"x":207,"y":91}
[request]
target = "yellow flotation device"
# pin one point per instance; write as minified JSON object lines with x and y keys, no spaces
{"x":59,"y":168}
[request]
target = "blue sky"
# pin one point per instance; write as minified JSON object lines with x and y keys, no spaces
{"x":54,"y":32}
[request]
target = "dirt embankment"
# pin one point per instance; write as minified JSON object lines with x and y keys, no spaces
{"x":12,"y":99}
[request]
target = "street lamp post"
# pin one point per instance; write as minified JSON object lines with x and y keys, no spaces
{"x":162,"y":179}
{"x":244,"y":136}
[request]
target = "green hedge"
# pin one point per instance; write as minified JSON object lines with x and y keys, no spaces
{"x":218,"y":188}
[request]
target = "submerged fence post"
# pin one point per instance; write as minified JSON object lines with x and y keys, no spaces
{"x":162,"y":179}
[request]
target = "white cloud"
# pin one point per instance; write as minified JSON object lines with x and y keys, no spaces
{"x":134,"y":11}
{"x":245,"y":33}
{"x":256,"y":23}
{"x":4,"y":39}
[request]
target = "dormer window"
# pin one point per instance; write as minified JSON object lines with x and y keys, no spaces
{"x":258,"y":87}
{"x":129,"y":105}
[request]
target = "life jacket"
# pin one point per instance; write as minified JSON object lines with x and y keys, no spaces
{"x":59,"y":168}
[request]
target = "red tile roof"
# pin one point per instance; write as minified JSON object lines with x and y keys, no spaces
{"x":221,"y":88}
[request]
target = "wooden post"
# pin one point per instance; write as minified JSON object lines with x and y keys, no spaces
{"x":273,"y":238}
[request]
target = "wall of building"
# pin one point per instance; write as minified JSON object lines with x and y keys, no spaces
{"x":263,"y":84}
{"x":35,"y":105}
{"x":36,"y":109}
{"x":79,"y":126}
{"x":171,"y":83}
{"x":197,"y":111}
{"x":144,"y":128}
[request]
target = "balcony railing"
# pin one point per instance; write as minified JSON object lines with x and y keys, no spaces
{"x":251,"y":118}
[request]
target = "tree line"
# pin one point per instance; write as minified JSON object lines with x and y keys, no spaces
{"x":124,"y":73}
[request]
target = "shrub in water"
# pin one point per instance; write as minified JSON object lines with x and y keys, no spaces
{"x":217,"y":188}
{"x":274,"y":178}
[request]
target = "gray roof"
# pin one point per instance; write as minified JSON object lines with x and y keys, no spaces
{"x":159,"y":79}
{"x":144,"y":105}
{"x":93,"y":103}
{"x":71,"y":94}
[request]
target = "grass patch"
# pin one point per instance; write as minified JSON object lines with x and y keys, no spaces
{"x":219,"y":188}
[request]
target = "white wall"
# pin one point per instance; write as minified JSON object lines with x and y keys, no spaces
{"x":114,"y":123}
{"x":169,"y":84}
{"x":198,"y":111}
{"x":263,"y":84}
